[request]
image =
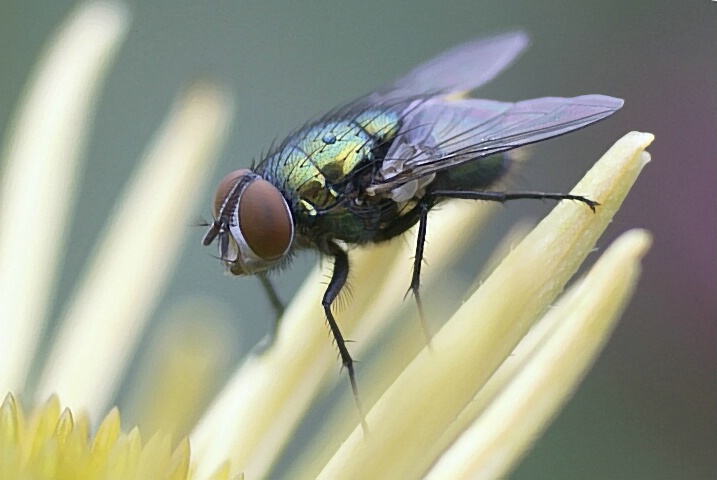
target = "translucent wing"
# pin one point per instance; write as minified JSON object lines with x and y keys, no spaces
{"x":437,"y":134}
{"x":461,"y":69}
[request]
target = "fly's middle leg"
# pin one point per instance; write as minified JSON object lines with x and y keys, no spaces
{"x":337,"y":282}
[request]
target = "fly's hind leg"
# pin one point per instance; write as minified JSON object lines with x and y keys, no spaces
{"x":425,"y":206}
{"x":505,"y":196}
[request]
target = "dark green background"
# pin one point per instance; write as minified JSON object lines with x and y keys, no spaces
{"x":647,"y":410}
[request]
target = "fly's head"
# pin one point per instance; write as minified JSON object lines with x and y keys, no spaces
{"x":253,"y":223}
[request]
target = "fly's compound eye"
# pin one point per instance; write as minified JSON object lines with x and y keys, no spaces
{"x":265,"y":220}
{"x":253,"y":223}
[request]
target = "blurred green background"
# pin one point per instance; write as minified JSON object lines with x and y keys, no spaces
{"x":648,"y":408}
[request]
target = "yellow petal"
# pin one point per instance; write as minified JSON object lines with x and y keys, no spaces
{"x":154,"y":459}
{"x":185,"y":359}
{"x":9,"y":422}
{"x":178,"y":468}
{"x":107,"y":435}
{"x":581,"y":324}
{"x":65,"y":426}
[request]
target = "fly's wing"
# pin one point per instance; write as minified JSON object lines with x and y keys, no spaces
{"x":439,"y":134}
{"x":460,"y":69}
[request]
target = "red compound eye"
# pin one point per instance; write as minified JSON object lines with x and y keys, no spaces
{"x":264,"y":220}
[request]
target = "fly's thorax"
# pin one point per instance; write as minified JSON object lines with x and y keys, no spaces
{"x":322,"y":160}
{"x":319,"y":162}
{"x":253,"y":223}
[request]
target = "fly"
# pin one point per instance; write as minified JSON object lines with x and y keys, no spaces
{"x":370,"y":170}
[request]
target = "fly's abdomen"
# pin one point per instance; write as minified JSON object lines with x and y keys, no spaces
{"x":476,"y":175}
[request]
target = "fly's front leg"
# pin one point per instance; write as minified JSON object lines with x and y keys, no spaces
{"x":274,"y":299}
{"x":337,"y":282}
{"x":417,"y":263}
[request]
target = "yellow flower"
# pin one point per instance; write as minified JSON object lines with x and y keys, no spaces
{"x":54,"y":445}
{"x":466,"y":406}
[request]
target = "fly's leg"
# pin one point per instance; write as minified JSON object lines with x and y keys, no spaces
{"x":274,"y":299}
{"x":417,"y":263}
{"x":337,"y":282}
{"x":504,"y":197}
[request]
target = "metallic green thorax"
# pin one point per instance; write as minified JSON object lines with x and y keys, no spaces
{"x":322,"y":168}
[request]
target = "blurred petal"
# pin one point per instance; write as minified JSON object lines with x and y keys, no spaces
{"x":583,"y":319}
{"x":184,"y":361}
{"x":137,"y":254}
{"x":41,"y":162}
{"x":155,"y":457}
{"x":442,"y":380}
{"x":179,"y":462}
